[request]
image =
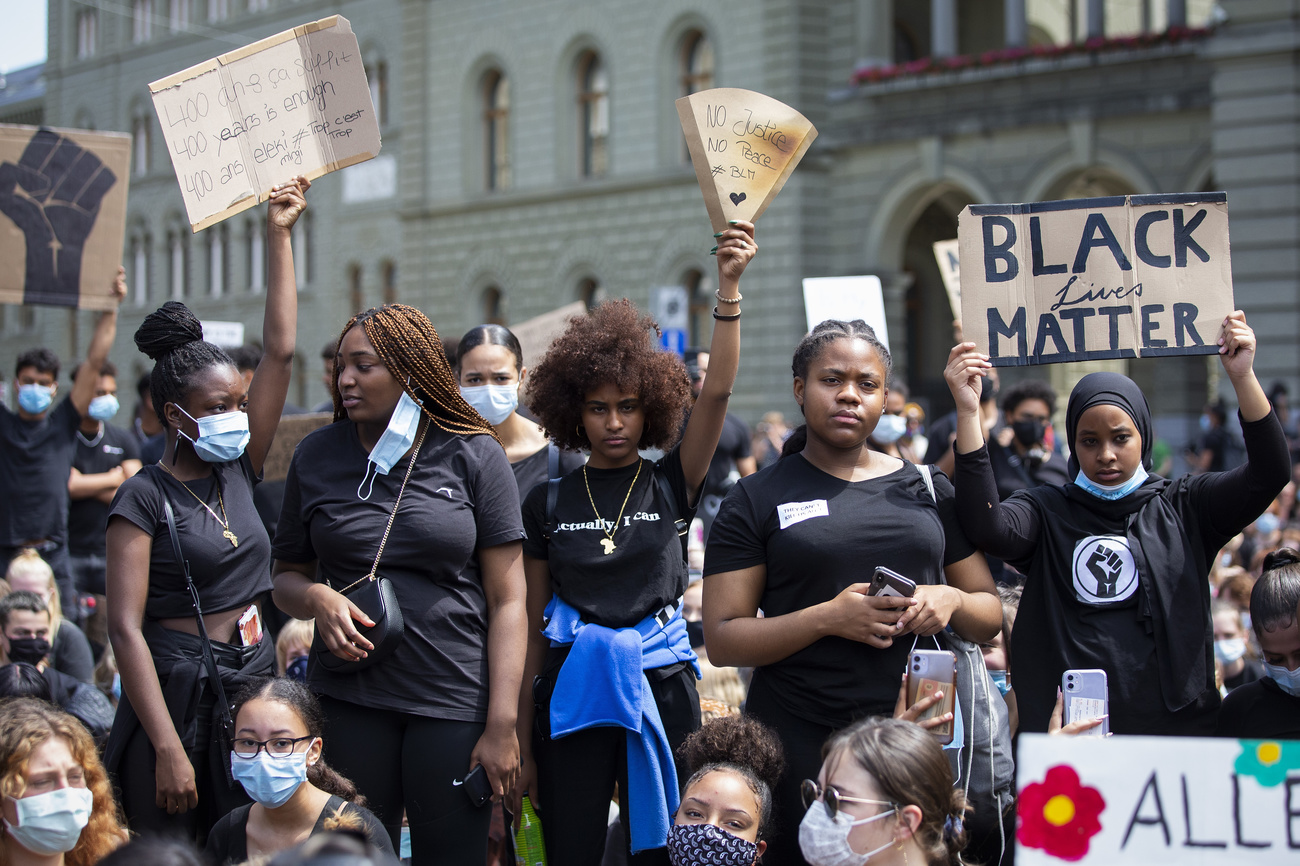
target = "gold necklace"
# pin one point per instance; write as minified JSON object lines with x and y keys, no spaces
{"x":608,"y":541}
{"x":225,"y":524}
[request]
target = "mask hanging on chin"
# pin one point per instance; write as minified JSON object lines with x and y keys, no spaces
{"x":396,"y":440}
{"x":1113,"y":492}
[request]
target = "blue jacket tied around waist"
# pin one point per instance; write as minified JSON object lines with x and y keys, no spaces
{"x":603,"y":684}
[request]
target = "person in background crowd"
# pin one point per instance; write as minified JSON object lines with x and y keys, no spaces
{"x":726,"y":811}
{"x":107,"y":678}
{"x":37,"y":445}
{"x":156,"y":851}
{"x":734,"y":453}
{"x":23,"y":680}
{"x":327,"y":354}
{"x":1269,"y":708}
{"x":150,"y":434}
{"x":793,"y":542}
{"x":1280,"y":398}
{"x":105,"y":457}
{"x":769,"y":437}
{"x":57,"y":805}
{"x":606,"y":566}
{"x":491,"y":371}
{"x":248,"y":358}
{"x":293,"y":648}
{"x":410,"y":727}
{"x":887,"y":437}
{"x":944,"y":431}
{"x":884,"y":794}
{"x":915,"y":437}
{"x":1215,"y":446}
{"x":1117,"y":562}
{"x":165,"y":745}
{"x":277,"y":757}
{"x":1021,"y":454}
{"x":1232,"y":647}
{"x":70,"y":651}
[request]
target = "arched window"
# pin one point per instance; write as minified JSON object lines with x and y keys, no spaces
{"x":388,"y":273}
{"x":87,"y":33}
{"x":218,"y":10}
{"x":176,"y":249}
{"x":493,"y":306}
{"x":178,"y":18}
{"x":301,"y":236}
{"x":696,"y":63}
{"x":590,"y":292}
{"x":140,"y":269}
{"x":699,"y":292}
{"x":255,"y":233}
{"x":140,"y":144}
{"x":377,"y":77}
{"x":355,"y":296}
{"x":141,"y":21}
{"x":593,"y":114}
{"x":217,"y":259}
{"x":496,"y":130}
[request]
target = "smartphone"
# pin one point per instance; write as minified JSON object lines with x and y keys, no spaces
{"x":930,"y":671}
{"x":886,"y":581}
{"x":1086,"y":697}
{"x":476,"y":785}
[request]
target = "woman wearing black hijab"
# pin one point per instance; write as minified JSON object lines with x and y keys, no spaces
{"x":1118,"y":560}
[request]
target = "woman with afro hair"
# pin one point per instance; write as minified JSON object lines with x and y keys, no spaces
{"x":605,"y":560}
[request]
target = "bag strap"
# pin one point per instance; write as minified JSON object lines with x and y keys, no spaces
{"x":682,"y":525}
{"x":374,"y":566}
{"x":209,"y":660}
{"x":552,"y":486}
{"x":924,"y":469}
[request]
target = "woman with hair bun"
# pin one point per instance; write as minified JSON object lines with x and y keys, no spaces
{"x":277,"y":757}
{"x":172,"y":778}
{"x":885,"y":795}
{"x":410,"y":727}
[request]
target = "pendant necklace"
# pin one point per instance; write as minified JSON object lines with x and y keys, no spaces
{"x":225,"y":524}
{"x":608,"y":541}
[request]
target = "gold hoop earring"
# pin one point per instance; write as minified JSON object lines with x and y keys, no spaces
{"x":578,"y":429}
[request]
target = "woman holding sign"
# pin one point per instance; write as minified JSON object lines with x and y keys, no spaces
{"x":166,"y":746}
{"x":1117,"y":560}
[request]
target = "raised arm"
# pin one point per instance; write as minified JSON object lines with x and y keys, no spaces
{"x":271,"y":380}
{"x":735,"y":249}
{"x":101,"y":343}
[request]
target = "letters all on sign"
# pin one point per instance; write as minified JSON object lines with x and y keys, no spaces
{"x":1089,"y":279}
{"x":296,"y":103}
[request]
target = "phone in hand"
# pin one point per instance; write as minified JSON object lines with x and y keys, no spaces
{"x":930,"y":671}
{"x":1087,"y":696}
{"x":476,"y":785}
{"x":886,"y":581}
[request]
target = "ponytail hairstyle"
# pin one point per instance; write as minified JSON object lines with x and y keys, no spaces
{"x":741,"y":745}
{"x":411,"y":349}
{"x":489,"y":335}
{"x":811,"y":346}
{"x":299,"y":698}
{"x":172,"y":337}
{"x":1275,"y":599}
{"x":910,"y":769}
{"x":29,"y":564}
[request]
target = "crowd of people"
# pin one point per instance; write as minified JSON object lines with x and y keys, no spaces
{"x":470,"y":606}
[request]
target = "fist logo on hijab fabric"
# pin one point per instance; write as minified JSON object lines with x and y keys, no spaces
{"x":1104,"y":571}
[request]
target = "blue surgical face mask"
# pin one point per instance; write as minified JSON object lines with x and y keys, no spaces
{"x":270,"y":781}
{"x":395,"y":441}
{"x":404,"y":846}
{"x":494,"y":402}
{"x":1267,"y":523}
{"x":35,"y":399}
{"x":1287,"y":681}
{"x":889,"y":428}
{"x":824,"y":841}
{"x":297,"y":669}
{"x":222,"y":438}
{"x":51,"y":823}
{"x":1229,"y":650}
{"x":104,"y":407}
{"x":1002,"y":681}
{"x":1118,"y":491}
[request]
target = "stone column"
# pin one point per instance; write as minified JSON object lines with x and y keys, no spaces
{"x":1015,"y":24}
{"x":875,"y":33}
{"x":943,"y":28}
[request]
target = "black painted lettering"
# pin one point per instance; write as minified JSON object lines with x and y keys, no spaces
{"x":1036,"y":248}
{"x":1185,"y":325}
{"x":1183,"y":238}
{"x":1141,"y":244}
{"x":1188,"y":841}
{"x":1236,"y":818}
{"x":1292,"y":812}
{"x":1150,"y":326}
{"x":1049,"y":328}
{"x":1097,"y":233}
{"x":1077,"y":315}
{"x":995,"y":252}
{"x":999,"y":328}
{"x":1138,"y":818}
{"x":1113,"y":313}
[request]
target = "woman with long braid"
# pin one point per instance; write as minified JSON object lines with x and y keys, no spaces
{"x":409,"y":727}
{"x":172,"y":778}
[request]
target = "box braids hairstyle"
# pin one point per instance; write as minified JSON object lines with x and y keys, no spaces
{"x":409,"y":346}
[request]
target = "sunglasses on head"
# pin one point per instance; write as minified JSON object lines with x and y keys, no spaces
{"x":831,"y":798}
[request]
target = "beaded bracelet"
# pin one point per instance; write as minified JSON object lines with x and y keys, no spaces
{"x":722,"y":318}
{"x":725,"y":300}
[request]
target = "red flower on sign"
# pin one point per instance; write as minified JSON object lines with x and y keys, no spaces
{"x":1059,"y":814}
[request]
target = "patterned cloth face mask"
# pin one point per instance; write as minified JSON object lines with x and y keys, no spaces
{"x":699,"y":844}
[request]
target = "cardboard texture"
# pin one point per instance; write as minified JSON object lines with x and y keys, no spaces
{"x":292,"y":430}
{"x":296,"y":103}
{"x":1150,"y":801}
{"x":62,"y":215}
{"x":846,"y":298}
{"x":947,"y":255}
{"x":1094,"y":279}
{"x":536,"y":335}
{"x":744,"y":146}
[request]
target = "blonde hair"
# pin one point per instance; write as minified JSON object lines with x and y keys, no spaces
{"x":28,"y":564}
{"x":298,"y":632}
{"x":26,"y":723}
{"x":721,"y":684}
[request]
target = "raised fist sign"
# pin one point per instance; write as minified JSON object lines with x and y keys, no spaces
{"x":1105,"y":566}
{"x":53,"y":196}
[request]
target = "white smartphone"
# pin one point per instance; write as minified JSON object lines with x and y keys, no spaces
{"x":1087,"y":696}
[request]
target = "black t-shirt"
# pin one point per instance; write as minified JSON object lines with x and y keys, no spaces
{"x":817,"y":534}
{"x":1260,"y":711}
{"x":35,"y":461}
{"x":1014,"y":472}
{"x":461,"y":497}
{"x":733,"y":444}
{"x":88,"y":518}
{"x":1217,"y":441}
{"x":534,"y":469}
{"x":227,"y":577}
{"x":1254,"y":670}
{"x":228,"y":838}
{"x":647,"y":568}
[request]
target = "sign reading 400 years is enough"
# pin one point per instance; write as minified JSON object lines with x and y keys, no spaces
{"x":1090,"y":279}
{"x":296,"y":103}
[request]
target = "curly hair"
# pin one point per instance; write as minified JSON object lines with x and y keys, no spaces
{"x":740,"y":745}
{"x":25,"y":724}
{"x":1030,"y":389}
{"x":610,"y":345}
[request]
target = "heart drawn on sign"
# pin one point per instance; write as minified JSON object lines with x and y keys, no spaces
{"x":737,"y":197}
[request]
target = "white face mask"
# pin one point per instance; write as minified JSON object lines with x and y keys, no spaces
{"x":51,"y":823}
{"x":890,"y":428}
{"x":1287,"y":681}
{"x":1229,"y":650}
{"x":494,"y":402}
{"x":824,"y":841}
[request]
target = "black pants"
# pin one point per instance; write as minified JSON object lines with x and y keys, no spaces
{"x":577,"y":772}
{"x":401,"y":760}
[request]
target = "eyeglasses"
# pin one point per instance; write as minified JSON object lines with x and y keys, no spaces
{"x":278,"y":747}
{"x":831,"y":798}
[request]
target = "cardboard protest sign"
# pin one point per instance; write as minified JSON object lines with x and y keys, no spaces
{"x":292,"y":430}
{"x":744,"y":146}
{"x":947,"y":255}
{"x":846,"y":298}
{"x":1157,"y":800}
{"x":1091,"y":279}
{"x":62,"y":215}
{"x":293,"y":103}
{"x":536,"y":335}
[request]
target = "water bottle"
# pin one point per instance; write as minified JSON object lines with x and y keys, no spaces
{"x":529,"y":847}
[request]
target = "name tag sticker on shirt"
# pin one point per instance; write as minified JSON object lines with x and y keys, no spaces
{"x":791,"y":513}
